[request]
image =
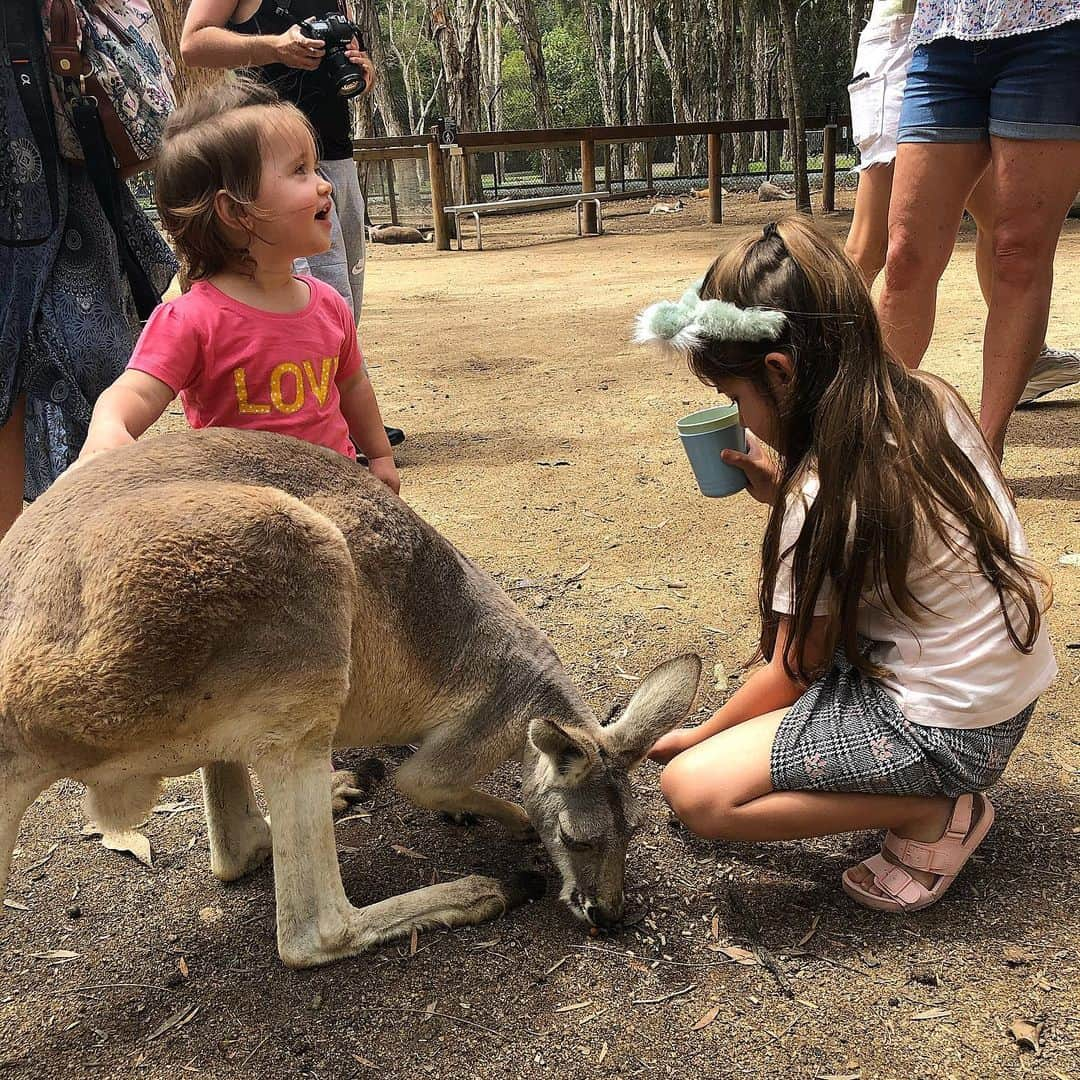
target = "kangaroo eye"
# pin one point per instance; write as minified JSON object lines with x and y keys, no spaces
{"x":573,"y":844}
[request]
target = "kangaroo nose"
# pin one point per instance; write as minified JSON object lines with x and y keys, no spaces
{"x":604,"y":917}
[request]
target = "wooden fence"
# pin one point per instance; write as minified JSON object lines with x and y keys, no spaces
{"x":587,"y":139}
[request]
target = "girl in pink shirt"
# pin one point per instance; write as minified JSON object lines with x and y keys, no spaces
{"x":251,"y":345}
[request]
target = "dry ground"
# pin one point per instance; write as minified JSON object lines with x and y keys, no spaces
{"x":543,"y":445}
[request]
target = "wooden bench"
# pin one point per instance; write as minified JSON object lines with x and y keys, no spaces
{"x":578,"y":199}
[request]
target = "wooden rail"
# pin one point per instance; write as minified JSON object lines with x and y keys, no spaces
{"x":409,"y":147}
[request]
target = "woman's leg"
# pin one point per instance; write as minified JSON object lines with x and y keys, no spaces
{"x":1034,"y":182}
{"x":980,"y":206}
{"x":868,"y":239}
{"x":721,"y":789}
{"x":12,"y":465}
{"x":931,"y":184}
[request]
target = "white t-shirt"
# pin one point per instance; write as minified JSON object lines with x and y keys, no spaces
{"x":984,"y":20}
{"x":956,"y":668}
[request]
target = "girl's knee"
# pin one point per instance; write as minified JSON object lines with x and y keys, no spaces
{"x":696,"y":799}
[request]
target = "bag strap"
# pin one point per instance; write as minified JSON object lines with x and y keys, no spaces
{"x":65,"y":36}
{"x":99,"y":167}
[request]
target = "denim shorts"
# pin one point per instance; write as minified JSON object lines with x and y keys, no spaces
{"x":1021,"y":87}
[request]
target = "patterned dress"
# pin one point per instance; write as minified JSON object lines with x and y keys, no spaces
{"x":67,"y":320}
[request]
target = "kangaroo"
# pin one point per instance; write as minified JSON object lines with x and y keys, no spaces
{"x":222,"y":598}
{"x":398,"y":234}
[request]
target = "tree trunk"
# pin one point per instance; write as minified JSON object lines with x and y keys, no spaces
{"x":522,"y":14}
{"x":456,"y":33}
{"x":603,"y":41}
{"x":744,"y":85}
{"x":170,"y":16}
{"x":798,"y":114}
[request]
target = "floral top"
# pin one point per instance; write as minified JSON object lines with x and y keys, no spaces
{"x":981,"y":20}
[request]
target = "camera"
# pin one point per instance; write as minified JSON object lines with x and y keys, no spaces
{"x":336,"y":32}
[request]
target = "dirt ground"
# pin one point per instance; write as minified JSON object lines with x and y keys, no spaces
{"x":543,"y":444}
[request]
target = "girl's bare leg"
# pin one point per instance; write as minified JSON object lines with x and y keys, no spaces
{"x":12,"y":466}
{"x":721,"y":789}
{"x":868,"y":238}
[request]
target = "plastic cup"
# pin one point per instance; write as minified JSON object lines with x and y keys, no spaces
{"x":704,"y":434}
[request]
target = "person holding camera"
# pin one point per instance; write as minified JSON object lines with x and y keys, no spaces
{"x":309,"y":52}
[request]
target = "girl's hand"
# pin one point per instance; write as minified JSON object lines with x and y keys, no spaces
{"x":673,"y":743}
{"x":361,"y":59}
{"x":296,"y":51}
{"x":758,"y":464}
{"x":385,"y":469}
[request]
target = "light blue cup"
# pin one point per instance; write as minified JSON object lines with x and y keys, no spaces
{"x":704,"y":434}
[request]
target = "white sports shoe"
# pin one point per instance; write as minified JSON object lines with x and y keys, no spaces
{"x":1054,"y":369}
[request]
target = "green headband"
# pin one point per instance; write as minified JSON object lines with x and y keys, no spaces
{"x":689,"y":323}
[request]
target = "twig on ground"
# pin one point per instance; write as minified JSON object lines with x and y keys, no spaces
{"x":110,"y":986}
{"x":665,"y":997}
{"x":248,"y":1057}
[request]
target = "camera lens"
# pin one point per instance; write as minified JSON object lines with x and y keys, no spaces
{"x":343,"y":73}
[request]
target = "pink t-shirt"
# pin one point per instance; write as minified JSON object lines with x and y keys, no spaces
{"x":237,"y":366}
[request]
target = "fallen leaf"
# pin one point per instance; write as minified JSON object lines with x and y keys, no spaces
{"x":429,"y":1012}
{"x":1070,"y":560}
{"x":932,"y":1014}
{"x":838,"y":1076}
{"x":602,"y":1055}
{"x":183,"y":967}
{"x":56,"y":954}
{"x":16,"y":905}
{"x":733,"y":952}
{"x":809,"y":933}
{"x":211,"y":914}
{"x":706,"y":1018}
{"x":720,"y":677}
{"x":1027,"y":1034}
{"x":131,"y":841}
{"x":414,"y":938}
{"x":714,"y":929}
{"x":177,"y":1020}
{"x":363,"y":1061}
{"x":408,"y":852}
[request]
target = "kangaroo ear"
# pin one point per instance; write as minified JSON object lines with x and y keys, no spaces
{"x":570,"y":752}
{"x":660,"y":703}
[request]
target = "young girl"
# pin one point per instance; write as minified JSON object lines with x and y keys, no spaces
{"x":901,"y":617}
{"x":251,"y":345}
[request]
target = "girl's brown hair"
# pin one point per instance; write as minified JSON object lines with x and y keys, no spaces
{"x":212,"y":143}
{"x":875,"y":434}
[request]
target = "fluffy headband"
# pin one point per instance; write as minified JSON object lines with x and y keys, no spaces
{"x":690,"y":322}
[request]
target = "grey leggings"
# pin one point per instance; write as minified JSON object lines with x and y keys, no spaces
{"x":342,"y":267}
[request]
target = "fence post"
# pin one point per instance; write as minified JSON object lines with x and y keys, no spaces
{"x":391,"y":191}
{"x":588,"y":182}
{"x":828,"y":168}
{"x":716,"y":210}
{"x":437,"y":176}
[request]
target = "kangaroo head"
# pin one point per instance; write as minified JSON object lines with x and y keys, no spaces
{"x":576,"y":787}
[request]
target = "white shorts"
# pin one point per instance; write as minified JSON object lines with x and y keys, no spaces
{"x":877,"y":89}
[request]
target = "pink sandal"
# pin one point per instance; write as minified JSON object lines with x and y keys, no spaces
{"x":899,"y":891}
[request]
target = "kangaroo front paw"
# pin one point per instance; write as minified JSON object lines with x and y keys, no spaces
{"x":344,"y":789}
{"x":459,"y":817}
